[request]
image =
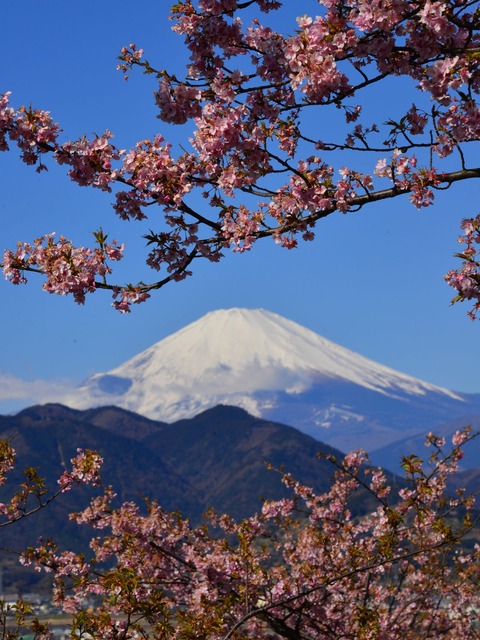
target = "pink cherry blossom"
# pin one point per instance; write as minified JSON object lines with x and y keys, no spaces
{"x":305,"y":567}
{"x":259,"y":159}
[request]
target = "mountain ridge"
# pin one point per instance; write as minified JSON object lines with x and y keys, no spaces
{"x":216,"y":460}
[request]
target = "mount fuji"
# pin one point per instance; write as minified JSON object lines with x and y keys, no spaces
{"x":278,"y":370}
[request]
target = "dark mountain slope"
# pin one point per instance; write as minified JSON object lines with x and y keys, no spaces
{"x":217,"y":459}
{"x":117,"y":420}
{"x":48,"y":437}
{"x":224,"y":452}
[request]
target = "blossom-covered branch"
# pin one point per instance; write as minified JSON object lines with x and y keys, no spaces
{"x":466,"y":279}
{"x":304,"y":568}
{"x":257,"y":155}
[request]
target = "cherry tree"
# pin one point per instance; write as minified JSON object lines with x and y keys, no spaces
{"x":304,"y":568}
{"x":253,"y":100}
{"x":405,"y":565}
{"x":260,"y":153}
{"x":25,"y":501}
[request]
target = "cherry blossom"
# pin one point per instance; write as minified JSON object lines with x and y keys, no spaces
{"x":68,"y":269}
{"x":305,"y":567}
{"x":85,"y":470}
{"x":246,"y":102}
{"x":466,"y":280}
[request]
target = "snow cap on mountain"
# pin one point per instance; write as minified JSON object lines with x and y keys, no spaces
{"x":230,"y":355}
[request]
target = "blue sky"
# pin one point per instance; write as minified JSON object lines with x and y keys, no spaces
{"x":371,"y":281}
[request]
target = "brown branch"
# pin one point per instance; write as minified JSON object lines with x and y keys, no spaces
{"x":360,"y":201}
{"x":355,"y":203}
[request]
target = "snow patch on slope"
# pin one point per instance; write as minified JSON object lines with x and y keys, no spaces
{"x":334,"y":414}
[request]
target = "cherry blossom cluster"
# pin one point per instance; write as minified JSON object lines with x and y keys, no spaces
{"x":128,"y":57}
{"x":304,"y":567}
{"x":402,"y":171}
{"x":85,"y":469}
{"x":7,"y":460}
{"x":33,"y":130}
{"x":6,"y":120}
{"x":128,"y":296}
{"x":153,"y":174}
{"x":177,"y":103}
{"x":91,"y":161}
{"x":466,"y":279}
{"x":33,"y":494}
{"x":68,"y":269}
{"x":257,"y":149}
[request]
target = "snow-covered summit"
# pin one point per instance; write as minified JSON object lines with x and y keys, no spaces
{"x":232,"y":356}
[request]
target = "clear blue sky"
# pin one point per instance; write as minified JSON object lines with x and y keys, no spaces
{"x":371,"y":282}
